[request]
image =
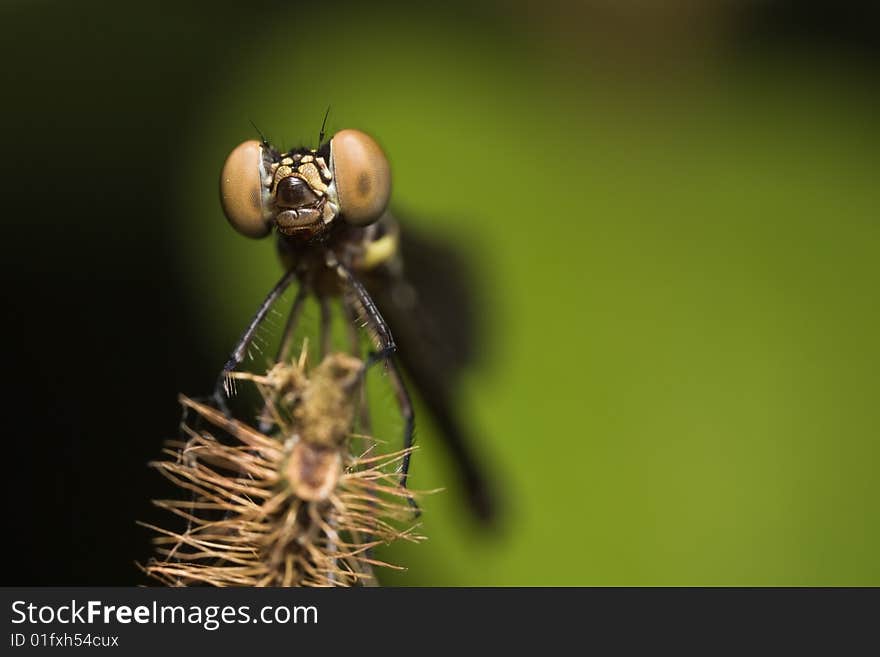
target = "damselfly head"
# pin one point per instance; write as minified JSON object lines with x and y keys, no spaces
{"x":303,"y":191}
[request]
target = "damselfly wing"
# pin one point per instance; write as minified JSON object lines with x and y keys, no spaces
{"x":429,"y":299}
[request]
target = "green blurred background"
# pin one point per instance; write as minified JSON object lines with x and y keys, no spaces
{"x":672,"y":219}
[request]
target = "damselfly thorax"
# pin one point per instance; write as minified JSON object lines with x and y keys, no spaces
{"x":361,"y":248}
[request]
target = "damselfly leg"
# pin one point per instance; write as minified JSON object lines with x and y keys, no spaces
{"x":359,"y":304}
{"x":225,"y":386}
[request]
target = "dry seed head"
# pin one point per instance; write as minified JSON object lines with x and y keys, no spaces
{"x":327,"y":403}
{"x":313,"y":472}
{"x":290,"y":507}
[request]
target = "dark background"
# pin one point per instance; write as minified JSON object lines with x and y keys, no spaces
{"x":100,"y":334}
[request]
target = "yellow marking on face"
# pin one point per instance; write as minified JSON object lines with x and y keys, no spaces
{"x":325,"y":170}
{"x":281,"y":172}
{"x":309,"y":172}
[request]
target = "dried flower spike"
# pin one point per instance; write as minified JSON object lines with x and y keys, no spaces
{"x":291,"y":506}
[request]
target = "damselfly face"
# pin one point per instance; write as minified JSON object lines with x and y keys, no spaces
{"x":304,"y":191}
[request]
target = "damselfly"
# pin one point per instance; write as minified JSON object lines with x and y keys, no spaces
{"x":336,"y":238}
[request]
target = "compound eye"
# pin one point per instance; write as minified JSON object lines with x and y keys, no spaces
{"x":241,"y":190}
{"x":362,"y":176}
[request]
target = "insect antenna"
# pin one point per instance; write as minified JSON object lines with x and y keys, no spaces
{"x":263,"y":138}
{"x":323,"y":126}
